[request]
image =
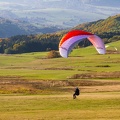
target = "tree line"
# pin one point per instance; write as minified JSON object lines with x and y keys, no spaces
{"x":31,"y":43}
{"x":44,"y":42}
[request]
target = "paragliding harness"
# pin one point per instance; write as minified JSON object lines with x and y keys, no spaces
{"x":77,"y":92}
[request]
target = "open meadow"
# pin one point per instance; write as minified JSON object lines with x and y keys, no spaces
{"x":88,"y":106}
{"x":33,"y":87}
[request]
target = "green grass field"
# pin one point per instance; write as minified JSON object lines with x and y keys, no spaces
{"x":35,"y":66}
{"x":33,"y":87}
{"x":92,"y":106}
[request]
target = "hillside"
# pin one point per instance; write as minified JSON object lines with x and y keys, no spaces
{"x":108,"y":30}
{"x":14,"y":27}
{"x":46,"y":16}
{"x":63,"y":13}
{"x":110,"y":24}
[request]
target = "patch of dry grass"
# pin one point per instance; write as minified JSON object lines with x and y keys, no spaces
{"x":96,"y":75}
{"x":17,"y":85}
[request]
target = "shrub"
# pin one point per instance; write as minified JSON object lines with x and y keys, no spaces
{"x":53,"y":54}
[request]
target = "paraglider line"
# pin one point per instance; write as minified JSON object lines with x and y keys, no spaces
{"x":99,"y":48}
{"x":63,"y":48}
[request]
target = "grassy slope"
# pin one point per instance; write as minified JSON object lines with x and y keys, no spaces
{"x":88,"y":106}
{"x":35,"y":66}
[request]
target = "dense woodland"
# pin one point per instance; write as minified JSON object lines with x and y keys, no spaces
{"x":108,"y":30}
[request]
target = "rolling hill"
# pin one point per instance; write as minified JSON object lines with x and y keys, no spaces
{"x":110,"y":24}
{"x":62,"y":13}
{"x":108,"y":30}
{"x":14,"y":27}
{"x":46,"y":16}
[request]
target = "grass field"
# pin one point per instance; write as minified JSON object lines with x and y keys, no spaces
{"x":33,"y":87}
{"x":92,"y":106}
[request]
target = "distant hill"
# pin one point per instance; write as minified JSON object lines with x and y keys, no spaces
{"x":14,"y":27}
{"x":108,"y":30}
{"x":62,"y":13}
{"x":110,"y":24}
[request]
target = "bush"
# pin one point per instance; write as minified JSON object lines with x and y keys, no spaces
{"x":53,"y":54}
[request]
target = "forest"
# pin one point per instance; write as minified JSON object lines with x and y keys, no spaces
{"x":108,"y":30}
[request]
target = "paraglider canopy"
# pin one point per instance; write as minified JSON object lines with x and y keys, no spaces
{"x":73,"y":37}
